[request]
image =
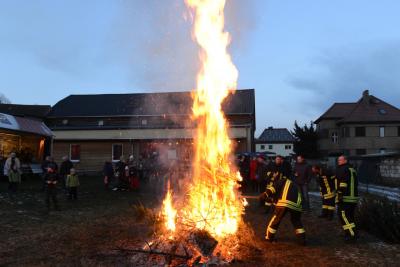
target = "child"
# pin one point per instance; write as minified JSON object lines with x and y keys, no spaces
{"x":72,"y":184}
{"x":51,"y":179}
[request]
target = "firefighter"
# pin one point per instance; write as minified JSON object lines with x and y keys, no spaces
{"x":286,"y":198}
{"x":347,"y":197}
{"x":275,"y":171}
{"x":327,"y":190}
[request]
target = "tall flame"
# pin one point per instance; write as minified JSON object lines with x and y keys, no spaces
{"x":214,"y":204}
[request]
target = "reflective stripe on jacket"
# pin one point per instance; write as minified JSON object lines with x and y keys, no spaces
{"x":286,"y":194}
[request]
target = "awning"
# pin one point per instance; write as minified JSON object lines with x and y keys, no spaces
{"x":22,"y":124}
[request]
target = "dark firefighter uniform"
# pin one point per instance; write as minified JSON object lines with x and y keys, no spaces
{"x":347,"y":197}
{"x":275,"y":173}
{"x":287,"y":198}
{"x":327,"y":190}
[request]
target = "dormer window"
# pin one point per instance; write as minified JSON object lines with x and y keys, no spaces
{"x":382,"y":111}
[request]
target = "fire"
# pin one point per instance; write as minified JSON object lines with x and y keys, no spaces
{"x":213,"y":203}
{"x":169,"y":212}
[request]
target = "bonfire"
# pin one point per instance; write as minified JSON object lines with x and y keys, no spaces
{"x":202,"y":226}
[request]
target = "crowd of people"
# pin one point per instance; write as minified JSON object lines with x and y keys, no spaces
{"x":149,"y":173}
{"x":285,"y":190}
{"x":284,"y":186}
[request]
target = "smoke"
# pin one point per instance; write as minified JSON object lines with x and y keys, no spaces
{"x":155,"y":38}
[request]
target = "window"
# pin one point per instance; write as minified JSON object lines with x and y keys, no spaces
{"x":65,"y":122}
{"x":101,"y":123}
{"x":75,"y":152}
{"x":116,"y":152}
{"x":382,"y":150}
{"x":398,"y":131}
{"x":361,"y":151}
{"x":360,"y":131}
{"x":345,"y":132}
{"x":334,"y":137}
{"x":270,"y":146}
{"x":287,"y":147}
{"x":382,"y":111}
{"x":382,"y":131}
{"x":144,"y":122}
{"x":263,"y":147}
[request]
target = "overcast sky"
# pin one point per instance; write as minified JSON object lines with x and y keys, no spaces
{"x":300,"y":56}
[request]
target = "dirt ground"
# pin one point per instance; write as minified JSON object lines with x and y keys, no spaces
{"x":85,"y":231}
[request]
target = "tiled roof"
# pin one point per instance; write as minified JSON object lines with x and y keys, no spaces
{"x":276,"y":135}
{"x":241,"y":102}
{"x":337,"y":111}
{"x":35,"y":111}
{"x":24,"y":124}
{"x":373,"y":110}
{"x":368,"y":109}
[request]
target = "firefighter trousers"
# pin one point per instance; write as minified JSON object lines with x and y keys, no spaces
{"x":295,"y":217}
{"x":328,"y":207}
{"x":346,"y":217}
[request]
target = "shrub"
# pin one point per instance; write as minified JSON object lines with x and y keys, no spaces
{"x":380,"y":217}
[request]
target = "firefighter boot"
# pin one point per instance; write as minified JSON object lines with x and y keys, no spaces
{"x":270,"y":235}
{"x":301,"y":239}
{"x":301,"y":236}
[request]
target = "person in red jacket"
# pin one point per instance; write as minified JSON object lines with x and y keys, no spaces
{"x":253,"y":174}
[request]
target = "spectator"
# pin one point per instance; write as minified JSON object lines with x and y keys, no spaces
{"x":120,"y":173}
{"x":2,"y":162}
{"x":108,"y":173}
{"x":51,"y":180}
{"x":12,"y":169}
{"x":262,"y":170}
{"x":253,"y":170}
{"x":302,"y":175}
{"x":72,"y":184}
{"x":65,"y":168}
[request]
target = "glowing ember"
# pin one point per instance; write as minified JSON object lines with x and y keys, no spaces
{"x":214,"y":203}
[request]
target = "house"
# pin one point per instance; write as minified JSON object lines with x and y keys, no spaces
{"x":368,"y":126}
{"x":94,"y":128}
{"x":276,"y":140}
{"x":22,"y":130}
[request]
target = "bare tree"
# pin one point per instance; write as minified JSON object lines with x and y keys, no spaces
{"x":4,"y":99}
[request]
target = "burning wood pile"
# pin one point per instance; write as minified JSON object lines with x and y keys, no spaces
{"x":202,"y":226}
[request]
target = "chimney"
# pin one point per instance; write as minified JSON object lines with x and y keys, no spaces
{"x":270,"y":128}
{"x":365,"y":97}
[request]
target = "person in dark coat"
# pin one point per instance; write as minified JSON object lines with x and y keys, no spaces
{"x":261,"y":173}
{"x":108,"y":173}
{"x":326,"y":181}
{"x":51,"y":181}
{"x":121,"y":172}
{"x":347,"y":197}
{"x":302,"y":177}
{"x":65,"y":170}
{"x":287,"y":199}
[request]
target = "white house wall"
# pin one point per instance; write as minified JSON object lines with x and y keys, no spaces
{"x":278,"y":149}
